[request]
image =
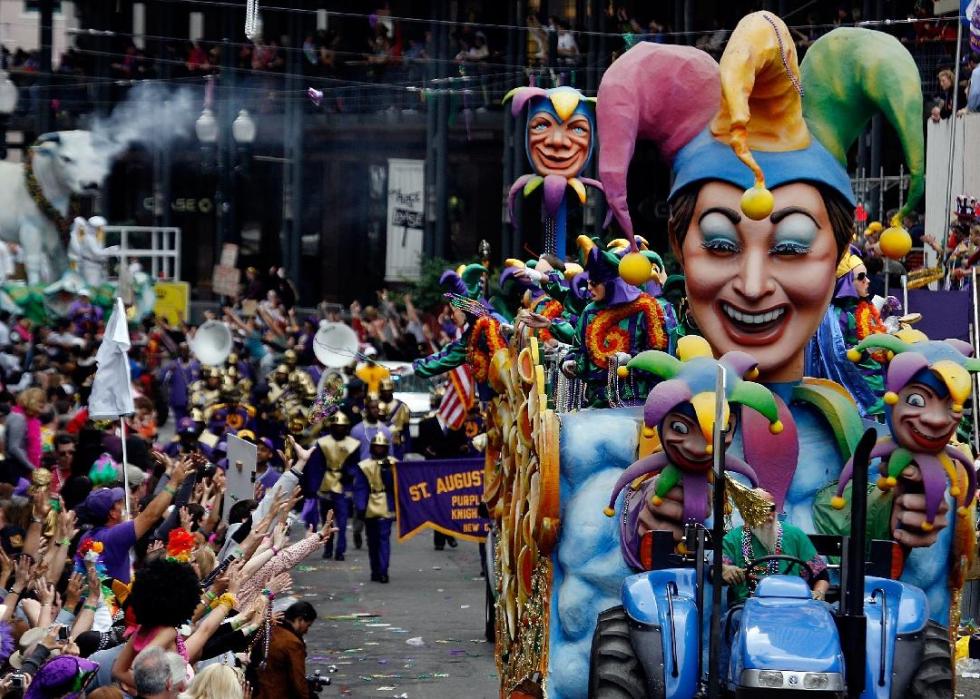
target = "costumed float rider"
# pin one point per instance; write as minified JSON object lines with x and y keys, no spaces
{"x":761,"y":216}
{"x":530,"y":276}
{"x":655,"y":285}
{"x":746,"y":544}
{"x":619,"y":319}
{"x":858,"y":318}
{"x":396,"y":415}
{"x":482,"y":337}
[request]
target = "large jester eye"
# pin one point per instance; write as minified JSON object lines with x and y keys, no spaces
{"x":680,"y":427}
{"x":915,"y":400}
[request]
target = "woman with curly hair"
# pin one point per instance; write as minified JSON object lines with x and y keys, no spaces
{"x":165,"y":595}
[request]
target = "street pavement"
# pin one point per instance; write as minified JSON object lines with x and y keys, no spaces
{"x":419,"y":636}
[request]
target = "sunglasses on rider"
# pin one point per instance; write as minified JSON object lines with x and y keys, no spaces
{"x":861,"y":276}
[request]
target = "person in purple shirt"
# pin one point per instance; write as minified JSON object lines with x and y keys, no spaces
{"x":105,"y":507}
{"x":365,"y":430}
{"x":265,"y":471}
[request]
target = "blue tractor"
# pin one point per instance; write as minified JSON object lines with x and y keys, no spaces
{"x":876,"y":641}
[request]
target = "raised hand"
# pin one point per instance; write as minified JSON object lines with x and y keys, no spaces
{"x":302,"y":455}
{"x":73,"y":593}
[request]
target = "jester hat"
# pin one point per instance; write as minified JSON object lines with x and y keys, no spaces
{"x":465,"y":280}
{"x":773,"y":123}
{"x":509,"y":276}
{"x":948,"y":361}
{"x":689,"y":379}
{"x":603,"y":268}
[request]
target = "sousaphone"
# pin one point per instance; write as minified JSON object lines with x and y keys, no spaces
{"x":212,"y":343}
{"x":335,"y":345}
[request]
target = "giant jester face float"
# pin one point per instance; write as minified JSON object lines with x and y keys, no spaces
{"x":761,"y":202}
{"x":560,"y":126}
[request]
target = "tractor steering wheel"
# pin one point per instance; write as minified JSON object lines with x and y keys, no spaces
{"x":752,"y":580}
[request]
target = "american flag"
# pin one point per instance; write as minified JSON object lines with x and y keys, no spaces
{"x":460,"y":394}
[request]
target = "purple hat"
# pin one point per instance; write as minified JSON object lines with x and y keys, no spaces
{"x":99,"y":503}
{"x":268,"y":443}
{"x":64,"y":677}
{"x":186,"y":425}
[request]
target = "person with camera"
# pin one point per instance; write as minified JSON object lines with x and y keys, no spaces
{"x":282,"y":674}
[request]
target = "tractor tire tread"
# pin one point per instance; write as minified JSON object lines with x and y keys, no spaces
{"x":934,"y":677}
{"x":616,"y":672}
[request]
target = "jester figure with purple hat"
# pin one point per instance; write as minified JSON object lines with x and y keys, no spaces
{"x":482,"y":337}
{"x":620,"y":319}
{"x":928,"y":384}
{"x":559,"y":144}
{"x":681,"y":411}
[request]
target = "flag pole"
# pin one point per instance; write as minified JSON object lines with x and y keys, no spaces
{"x":122,"y":426}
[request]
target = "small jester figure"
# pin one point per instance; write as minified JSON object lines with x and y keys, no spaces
{"x":619,"y":319}
{"x":682,"y":410}
{"x":559,"y":145}
{"x":482,"y":337}
{"x":928,"y":384}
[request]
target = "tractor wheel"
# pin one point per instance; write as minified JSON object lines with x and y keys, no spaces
{"x":614,"y":670}
{"x":934,"y":677}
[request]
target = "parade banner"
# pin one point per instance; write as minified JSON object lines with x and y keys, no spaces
{"x":406,"y":219}
{"x":444,"y":495}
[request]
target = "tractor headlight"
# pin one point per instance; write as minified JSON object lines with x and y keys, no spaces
{"x":770,"y":678}
{"x":816,"y":680}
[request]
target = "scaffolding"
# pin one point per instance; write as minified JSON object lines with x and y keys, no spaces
{"x":868,"y":187}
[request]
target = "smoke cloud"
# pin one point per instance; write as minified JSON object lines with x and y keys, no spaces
{"x":152,"y":114}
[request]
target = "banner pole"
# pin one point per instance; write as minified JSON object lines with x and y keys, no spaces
{"x":122,"y":426}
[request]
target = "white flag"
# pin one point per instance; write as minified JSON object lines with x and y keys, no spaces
{"x":112,"y":395}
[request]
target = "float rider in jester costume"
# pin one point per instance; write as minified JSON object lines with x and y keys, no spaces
{"x":619,"y":319}
{"x":531,"y":276}
{"x":482,"y":337}
{"x":857,"y":319}
{"x":928,"y":385}
{"x":681,"y":411}
{"x":761,"y":217}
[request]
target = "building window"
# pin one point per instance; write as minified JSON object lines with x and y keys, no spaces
{"x":35,"y":5}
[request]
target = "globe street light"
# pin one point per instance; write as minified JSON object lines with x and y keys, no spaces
{"x":8,"y":102}
{"x":206,"y":127}
{"x":243,"y":129}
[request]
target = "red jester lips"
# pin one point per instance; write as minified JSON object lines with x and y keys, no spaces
{"x":757,"y":327}
{"x":929,"y":442}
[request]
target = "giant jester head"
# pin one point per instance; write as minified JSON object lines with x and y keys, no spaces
{"x":761,"y":202}
{"x":560,"y":128}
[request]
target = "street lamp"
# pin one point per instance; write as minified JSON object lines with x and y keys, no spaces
{"x":8,"y":102}
{"x":206,"y":127}
{"x":243,"y":129}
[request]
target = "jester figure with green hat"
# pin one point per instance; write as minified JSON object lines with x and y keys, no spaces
{"x":620,"y":319}
{"x":531,"y":276}
{"x":482,"y":337}
{"x":928,"y":385}
{"x":681,"y":410}
{"x":761,"y":216}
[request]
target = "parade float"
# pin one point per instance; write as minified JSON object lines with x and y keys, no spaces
{"x":66,"y":256}
{"x":762,"y":214}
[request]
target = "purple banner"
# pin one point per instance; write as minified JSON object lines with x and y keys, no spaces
{"x":443,"y":494}
{"x":944,"y":313}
